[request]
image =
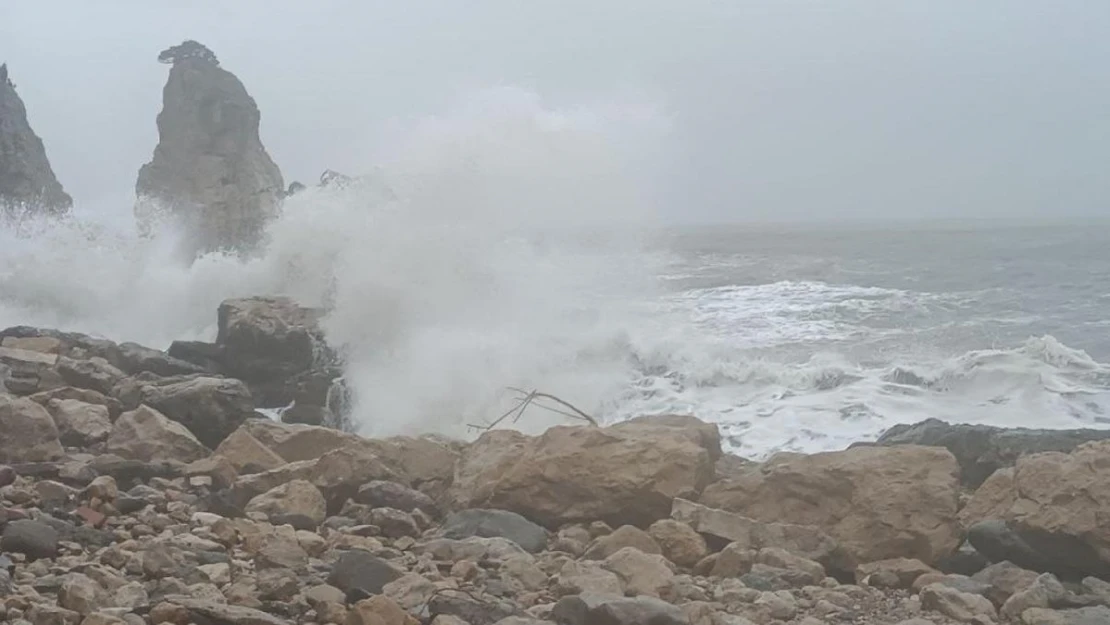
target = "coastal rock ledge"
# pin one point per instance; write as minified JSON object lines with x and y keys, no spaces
{"x":140,"y":487}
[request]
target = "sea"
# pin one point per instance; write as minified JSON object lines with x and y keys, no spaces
{"x":504,"y":248}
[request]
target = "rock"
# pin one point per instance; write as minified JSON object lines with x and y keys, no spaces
{"x":379,"y":610}
{"x":34,"y":539}
{"x":893,"y":573}
{"x":963,"y":607}
{"x":1045,"y":513}
{"x":982,"y":449}
{"x":359,"y":571}
{"x":222,"y":614}
{"x":95,"y":373}
{"x":29,"y":433}
{"x":211,"y":408}
{"x":1004,"y":579}
{"x":812,"y":573}
{"x":1097,"y":615}
{"x":383,"y":494}
{"x":641,"y":573}
{"x":470,"y":609}
{"x":586,"y":576}
{"x":269,"y":341}
{"x":7,"y":475}
{"x":495,"y":524}
{"x":135,"y":359}
{"x":1046,"y":591}
{"x":877,"y":502}
{"x":394,"y":523}
{"x":41,"y":614}
{"x":804,"y":540}
{"x":627,"y":473}
{"x":246,"y":454}
{"x":207,"y":356}
{"x":679,"y":542}
{"x":734,"y":560}
{"x":81,"y":594}
{"x":115,"y":408}
{"x":145,"y":434}
{"x":623,"y":536}
{"x":80,"y":424}
{"x":209,"y":169}
{"x":597,"y":609}
{"x":298,"y":497}
{"x":27,"y":182}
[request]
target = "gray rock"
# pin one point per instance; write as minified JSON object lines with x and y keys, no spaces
{"x":27,"y":182}
{"x":384,"y":494}
{"x":210,"y":169}
{"x":135,"y":359}
{"x":211,"y":408}
{"x":1060,"y":554}
{"x":34,"y":539}
{"x":495,"y":524}
{"x":982,"y":449}
{"x":594,"y":609}
{"x":95,"y":373}
{"x":1004,"y":578}
{"x":360,"y":574}
{"x":29,"y":433}
{"x":1097,"y":615}
{"x":471,"y":609}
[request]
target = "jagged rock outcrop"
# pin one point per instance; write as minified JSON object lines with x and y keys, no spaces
{"x":27,"y":182}
{"x":210,"y":171}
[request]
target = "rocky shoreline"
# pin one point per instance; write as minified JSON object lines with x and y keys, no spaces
{"x":143,"y":487}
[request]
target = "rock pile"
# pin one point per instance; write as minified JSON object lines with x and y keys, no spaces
{"x":140,"y":487}
{"x":27,"y":182}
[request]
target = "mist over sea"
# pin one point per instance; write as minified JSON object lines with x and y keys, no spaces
{"x":518,"y":246}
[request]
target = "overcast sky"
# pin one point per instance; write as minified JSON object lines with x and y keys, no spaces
{"x":779,"y":109}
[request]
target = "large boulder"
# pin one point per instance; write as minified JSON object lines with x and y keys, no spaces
{"x":983,"y":449}
{"x":147,"y":435}
{"x":26,"y":372}
{"x":628,"y":473}
{"x":210,"y":407}
{"x":27,"y":182}
{"x":27,"y":432}
{"x":877,"y":502}
{"x":80,"y":424}
{"x":270,"y":342}
{"x":426,"y":462}
{"x":1050,"y":507}
{"x":209,"y":171}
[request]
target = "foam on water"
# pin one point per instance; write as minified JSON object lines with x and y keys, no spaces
{"x":509,"y":250}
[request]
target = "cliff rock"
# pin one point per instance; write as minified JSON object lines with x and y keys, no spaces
{"x":210,"y":171}
{"x":27,"y":182}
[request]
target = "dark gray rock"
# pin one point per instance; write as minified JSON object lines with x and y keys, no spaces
{"x":28,"y":185}
{"x":495,"y":524}
{"x":135,"y":358}
{"x":208,"y":356}
{"x":360,"y":573}
{"x":34,"y":539}
{"x":764,"y":577}
{"x":965,"y":561}
{"x":1064,"y":556}
{"x":7,"y":475}
{"x":384,"y":494}
{"x":982,"y":449}
{"x":210,"y":407}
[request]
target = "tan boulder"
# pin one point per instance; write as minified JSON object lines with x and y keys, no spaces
{"x":298,"y":497}
{"x":642,"y":573}
{"x":624,"y":536}
{"x":146,"y":434}
{"x":28,"y":432}
{"x":379,"y":610}
{"x":80,"y":424}
{"x":748,"y":534}
{"x":679,"y":542}
{"x":246,"y":454}
{"x":1060,"y":499}
{"x":627,"y":473}
{"x":877,"y":502}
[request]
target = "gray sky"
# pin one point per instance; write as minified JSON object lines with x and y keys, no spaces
{"x":779,"y":110}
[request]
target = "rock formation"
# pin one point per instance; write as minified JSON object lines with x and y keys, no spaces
{"x":27,"y":182}
{"x":210,"y":171}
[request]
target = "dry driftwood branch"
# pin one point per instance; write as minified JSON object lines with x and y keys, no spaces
{"x":528,"y":398}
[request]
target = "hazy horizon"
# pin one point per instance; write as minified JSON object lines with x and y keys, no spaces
{"x":800,"y":110}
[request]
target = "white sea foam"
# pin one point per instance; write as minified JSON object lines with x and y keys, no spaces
{"x":503,"y":245}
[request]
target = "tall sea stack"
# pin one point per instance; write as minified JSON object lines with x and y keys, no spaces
{"x":27,"y":182}
{"x":210,"y":171}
